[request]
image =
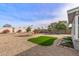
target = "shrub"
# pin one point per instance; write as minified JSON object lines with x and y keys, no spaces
{"x":28,"y":29}
{"x":6,"y":31}
{"x":68,"y":42}
{"x":19,"y":31}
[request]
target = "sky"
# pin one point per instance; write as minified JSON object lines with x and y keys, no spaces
{"x":36,"y":14}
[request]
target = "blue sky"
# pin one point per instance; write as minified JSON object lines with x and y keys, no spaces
{"x":33,"y":14}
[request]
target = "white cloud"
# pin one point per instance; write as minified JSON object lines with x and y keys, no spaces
{"x":60,"y":13}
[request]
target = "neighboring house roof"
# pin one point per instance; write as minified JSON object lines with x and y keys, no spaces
{"x":71,"y":14}
{"x":7,"y":25}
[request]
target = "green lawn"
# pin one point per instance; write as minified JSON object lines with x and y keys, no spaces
{"x":43,"y":40}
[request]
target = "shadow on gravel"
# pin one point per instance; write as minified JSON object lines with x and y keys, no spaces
{"x":35,"y":51}
{"x":49,"y":51}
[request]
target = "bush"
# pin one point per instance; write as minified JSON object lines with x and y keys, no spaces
{"x":68,"y":42}
{"x":28,"y":29}
{"x":36,"y":31}
{"x":6,"y":31}
{"x":19,"y":31}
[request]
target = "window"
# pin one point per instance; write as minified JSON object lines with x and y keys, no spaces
{"x":78,"y":26}
{"x":74,"y":27}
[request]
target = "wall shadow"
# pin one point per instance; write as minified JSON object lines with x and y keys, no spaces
{"x":49,"y":51}
{"x":36,"y":51}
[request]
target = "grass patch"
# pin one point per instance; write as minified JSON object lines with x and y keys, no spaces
{"x":43,"y":40}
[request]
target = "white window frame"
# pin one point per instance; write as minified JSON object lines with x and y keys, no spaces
{"x":73,"y":29}
{"x":76,"y":27}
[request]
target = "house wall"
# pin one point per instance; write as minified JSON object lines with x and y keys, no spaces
{"x":5,"y":28}
{"x":17,"y":29}
{"x":73,"y":15}
{"x":11,"y":29}
{"x":75,"y":33}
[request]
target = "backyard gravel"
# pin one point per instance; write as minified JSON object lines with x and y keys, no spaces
{"x":17,"y":45}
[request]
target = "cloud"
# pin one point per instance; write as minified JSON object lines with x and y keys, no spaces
{"x":60,"y":14}
{"x":19,"y":18}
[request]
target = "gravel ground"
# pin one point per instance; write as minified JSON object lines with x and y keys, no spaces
{"x":49,"y":51}
{"x":11,"y":44}
{"x":14,"y":45}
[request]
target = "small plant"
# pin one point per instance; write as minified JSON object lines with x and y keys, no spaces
{"x":68,"y":42}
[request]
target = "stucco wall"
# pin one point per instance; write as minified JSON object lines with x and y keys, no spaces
{"x":11,"y":30}
{"x":5,"y":28}
{"x":17,"y":29}
{"x":14,"y":30}
{"x":75,"y":33}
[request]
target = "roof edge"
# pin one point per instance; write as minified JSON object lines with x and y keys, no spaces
{"x":73,"y":10}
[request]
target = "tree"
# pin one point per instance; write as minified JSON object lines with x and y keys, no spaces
{"x":51,"y":27}
{"x":13,"y":29}
{"x":36,"y":31}
{"x":28,"y":29}
{"x":61,"y":26}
